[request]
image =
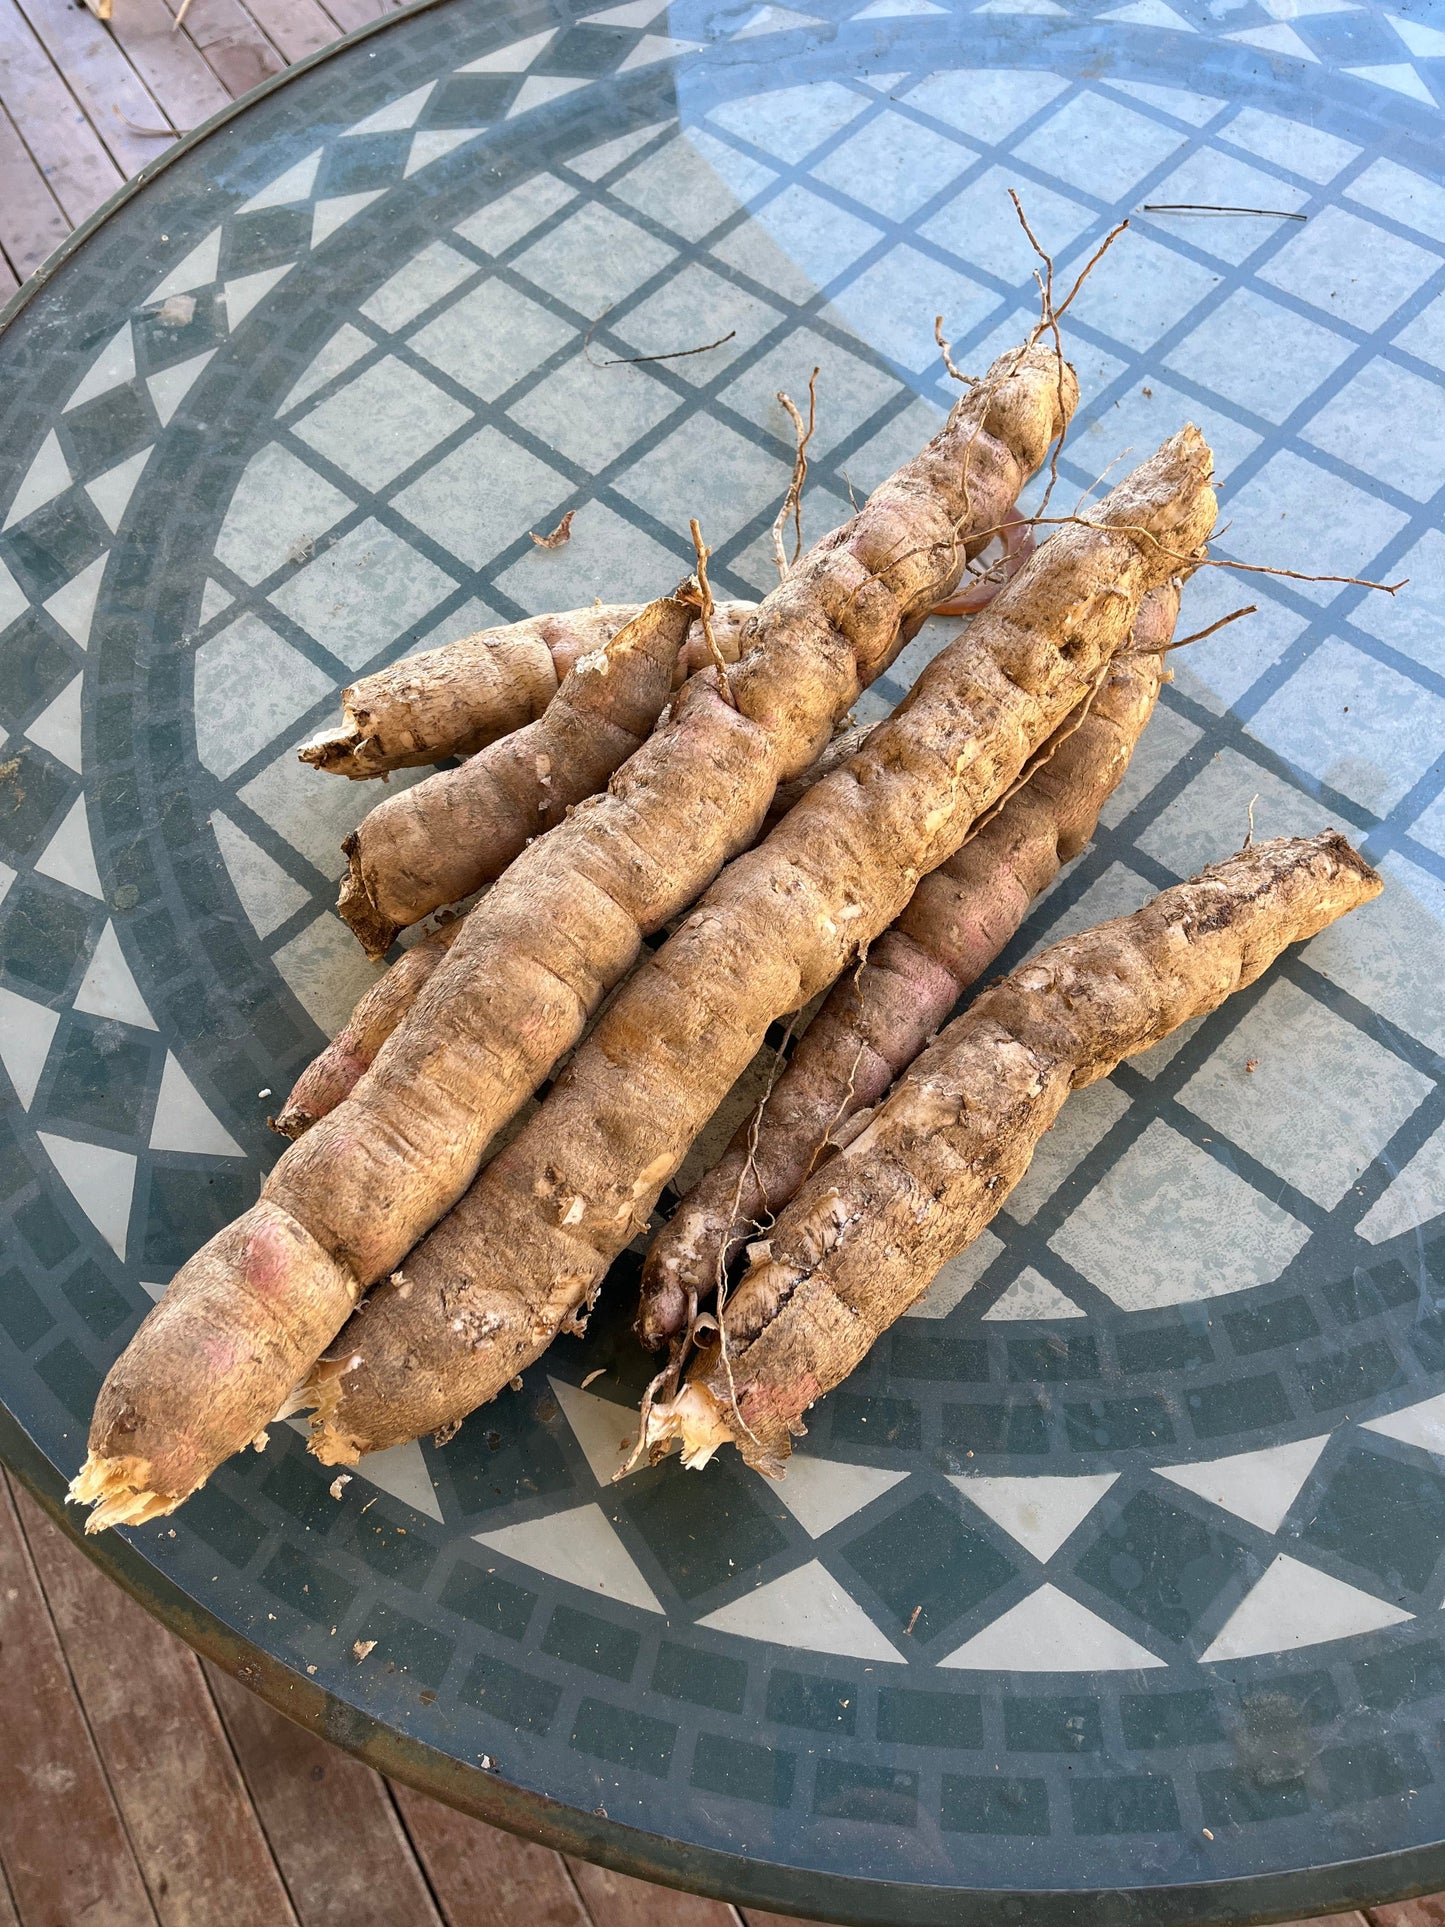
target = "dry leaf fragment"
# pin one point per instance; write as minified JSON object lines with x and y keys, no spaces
{"x":561,"y":534}
{"x":362,"y":1647}
{"x":339,"y":1484}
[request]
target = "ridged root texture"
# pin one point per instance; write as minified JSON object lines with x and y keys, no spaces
{"x":865,"y":1236}
{"x":497,"y":1279}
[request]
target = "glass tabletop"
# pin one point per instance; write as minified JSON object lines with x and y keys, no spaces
{"x":1110,"y":1587}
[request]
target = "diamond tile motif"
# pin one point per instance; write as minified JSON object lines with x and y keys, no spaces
{"x":667,"y":320}
{"x":503,"y":222}
{"x":806,"y":1608}
{"x":490,"y":338}
{"x":986,"y":103}
{"x":1413,"y":1198}
{"x":1383,"y":1517}
{"x":590,"y":414}
{"x":1349,"y":268}
{"x":1042,"y":1512}
{"x":1154,"y":290}
{"x":1321,"y":1101}
{"x":1387,"y":954}
{"x":1257,"y":1486}
{"x":363,"y":593}
{"x":1099,"y":145}
{"x":1296,"y":1605}
{"x":854,"y":389}
{"x":1296,"y":515}
{"x":692,"y":184}
{"x":707,"y":464}
{"x":419,"y":285}
{"x":791,"y":121}
{"x":885,"y":306}
{"x":1414,"y":623}
{"x":606,"y":556}
{"x":482,"y":496}
{"x":1358,"y":725}
{"x":593,"y":259}
{"x":1163,"y":1564}
{"x":1212,"y":176}
{"x":381,"y":423}
{"x":1260,"y":354}
{"x":1185,"y":836}
{"x":1224,"y":1236}
{"x":925,"y":1556}
{"x":1084,"y":1120}
{"x":580,"y":1546}
{"x":1389,"y":423}
{"x":1051,"y":1633}
{"x":980,"y":227}
{"x":279,"y":505}
{"x":893,"y":165}
{"x":249,"y":685}
{"x":1304,"y":150}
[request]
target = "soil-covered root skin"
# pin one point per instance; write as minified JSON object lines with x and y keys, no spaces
{"x":457,"y":830}
{"x":865,"y":1237}
{"x":565,"y":922}
{"x":877,"y":1018}
{"x":334,"y":1072}
{"x":199,"y":1379}
{"x":455,"y":699}
{"x":518,"y":1257}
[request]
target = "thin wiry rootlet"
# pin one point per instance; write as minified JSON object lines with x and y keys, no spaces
{"x":250,"y":1313}
{"x":867,"y":1234}
{"x":522,"y":1255}
{"x":876,"y":1019}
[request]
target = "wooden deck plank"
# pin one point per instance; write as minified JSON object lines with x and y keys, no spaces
{"x":8,"y":1915}
{"x":101,"y":78}
{"x":32,"y":223}
{"x":297,"y":27}
{"x":753,"y":1917}
{"x":330,"y":1821}
{"x":617,"y":1900}
{"x":80,"y":171}
{"x":349,"y":14}
{"x":169,"y":63}
{"x":1428,"y":1912}
{"x":482,"y":1876}
{"x":65,"y":1852}
{"x":190,"y":1820}
{"x":236,"y":50}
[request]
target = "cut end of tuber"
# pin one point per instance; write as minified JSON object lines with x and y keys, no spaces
{"x":374,"y":930}
{"x":293,"y":1122}
{"x":320,"y":1391}
{"x":695,"y":1421}
{"x":118,"y":1494}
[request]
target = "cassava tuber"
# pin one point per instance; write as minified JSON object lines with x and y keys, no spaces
{"x":242,"y":1321}
{"x":528,"y":1246}
{"x":866,"y":1235}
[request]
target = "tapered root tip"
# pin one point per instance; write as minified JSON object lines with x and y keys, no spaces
{"x":293,"y":1122}
{"x":695,"y":1421}
{"x":117,"y":1493}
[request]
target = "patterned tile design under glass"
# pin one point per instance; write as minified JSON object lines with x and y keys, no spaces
{"x":1148,"y":1493}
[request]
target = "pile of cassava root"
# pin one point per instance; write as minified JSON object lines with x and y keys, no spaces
{"x":686,"y":767}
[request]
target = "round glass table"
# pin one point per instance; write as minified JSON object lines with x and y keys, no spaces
{"x":1110,"y":1588}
